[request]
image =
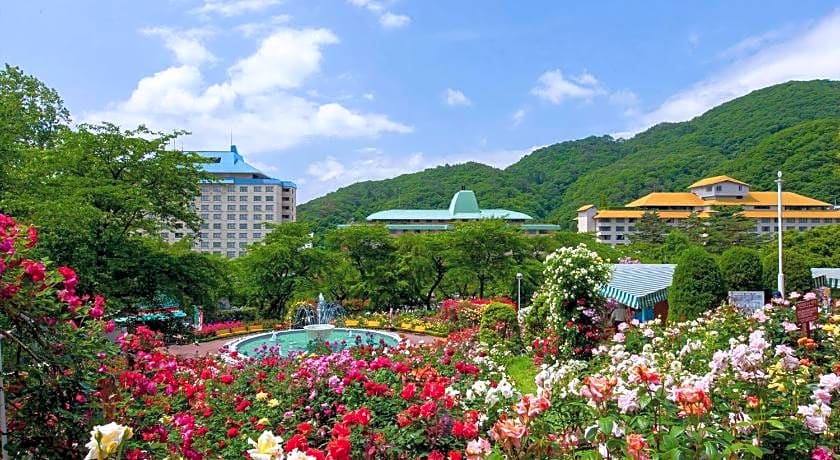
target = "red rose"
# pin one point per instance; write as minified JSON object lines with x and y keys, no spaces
{"x":408,"y":391}
{"x":233,"y":432}
{"x":455,"y":455}
{"x":435,"y":455}
{"x":304,"y":428}
{"x":428,"y":409}
{"x":227,"y":379}
{"x":339,"y":449}
{"x":298,"y":442}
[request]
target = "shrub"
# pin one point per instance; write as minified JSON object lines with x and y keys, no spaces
{"x":797,"y":272}
{"x":236,"y":314}
{"x":499,"y":325}
{"x":697,"y":285}
{"x":741,"y":269}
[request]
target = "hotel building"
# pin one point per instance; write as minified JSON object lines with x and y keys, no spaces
{"x":462,"y":208}
{"x":236,"y":206}
{"x":617,"y":226}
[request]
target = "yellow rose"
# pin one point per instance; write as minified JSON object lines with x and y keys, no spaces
{"x":263,"y":421}
{"x":106,"y":439}
{"x":273,"y":402}
{"x":166,"y":420}
{"x":261,"y":396}
{"x":266,"y":447}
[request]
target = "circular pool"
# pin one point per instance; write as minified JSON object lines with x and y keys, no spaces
{"x":297,"y":340}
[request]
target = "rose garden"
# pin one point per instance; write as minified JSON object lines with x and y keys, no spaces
{"x":723,"y":384}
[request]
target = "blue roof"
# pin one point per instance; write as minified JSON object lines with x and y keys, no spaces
{"x":464,"y":206}
{"x":231,"y":162}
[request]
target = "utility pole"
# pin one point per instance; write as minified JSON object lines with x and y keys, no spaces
{"x":781,"y":280}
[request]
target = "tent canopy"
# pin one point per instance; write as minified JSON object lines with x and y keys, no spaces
{"x":639,"y":286}
{"x":826,"y":277}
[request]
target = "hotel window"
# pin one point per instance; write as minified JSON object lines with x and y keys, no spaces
{"x":205,"y":198}
{"x":765,"y":228}
{"x":257,"y":188}
{"x":205,"y":226}
{"x":164,"y":235}
{"x":619,"y":237}
{"x":217,"y":216}
{"x":231,"y":188}
{"x":709,"y":188}
{"x":285,"y":208}
{"x":826,"y":221}
{"x":243,"y":189}
{"x":204,"y":216}
{"x":217,"y":207}
{"x":619,"y":220}
{"x":205,"y":207}
{"x":243,"y":226}
{"x":217,"y":188}
{"x":286,"y":216}
{"x":718,"y":188}
{"x":604,"y":228}
{"x":257,"y":235}
{"x":815,"y":221}
{"x":231,"y":235}
{"x":286,"y":190}
{"x":217,"y":253}
{"x":606,"y":237}
{"x":257,"y":207}
{"x":802,"y":229}
{"x":231,"y":226}
{"x":258,"y":226}
{"x":740,"y":188}
{"x":243,"y":236}
{"x":803,"y":221}
{"x":243,"y":198}
{"x":231,"y":253}
{"x":257,"y":216}
{"x":231,"y":244}
{"x":631,"y":229}
{"x":605,"y":220}
{"x":205,"y":188}
{"x":231,"y":207}
{"x":243,"y":245}
{"x":269,"y":217}
{"x":269,"y":188}
{"x":231,"y":198}
{"x":243,"y":207}
{"x":205,"y":244}
{"x":243,"y":217}
{"x":217,"y":226}
{"x":231,"y":217}
{"x":619,"y":228}
{"x":257,"y":198}
{"x":270,"y":207}
{"x":217,"y":197}
{"x":217,"y":244}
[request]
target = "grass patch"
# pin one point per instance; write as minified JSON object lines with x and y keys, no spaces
{"x":522,"y":370}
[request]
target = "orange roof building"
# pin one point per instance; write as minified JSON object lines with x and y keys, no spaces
{"x":617,"y":226}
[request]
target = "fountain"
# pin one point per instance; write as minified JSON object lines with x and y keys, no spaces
{"x":321,"y":329}
{"x":274,"y":336}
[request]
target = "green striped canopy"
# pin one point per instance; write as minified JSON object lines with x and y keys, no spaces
{"x":826,"y":277}
{"x":639,"y":285}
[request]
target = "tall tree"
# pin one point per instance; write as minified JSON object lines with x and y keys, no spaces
{"x":650,"y":229}
{"x":428,"y":257}
{"x":742,"y":269}
{"x":727,"y":226}
{"x":697,"y":285}
{"x":371,"y":251}
{"x":489,"y":249}
{"x":278,"y":265}
{"x":694,"y":227}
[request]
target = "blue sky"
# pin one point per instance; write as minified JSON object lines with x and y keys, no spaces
{"x":327,"y":93}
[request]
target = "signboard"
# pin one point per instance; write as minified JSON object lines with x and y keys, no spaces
{"x":748,"y":301}
{"x":807,"y":311}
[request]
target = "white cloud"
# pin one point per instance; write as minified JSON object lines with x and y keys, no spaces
{"x":253,"y":29}
{"x":518,"y":117}
{"x":813,"y":54}
{"x":230,"y":8}
{"x":284,"y":59}
{"x":185,"y":44}
{"x":368,"y":96}
{"x":387,"y":19}
{"x":394,"y":21}
{"x":453,"y":98}
{"x":255,"y":102}
{"x":554,"y":87}
{"x":624,"y":97}
{"x":694,"y":38}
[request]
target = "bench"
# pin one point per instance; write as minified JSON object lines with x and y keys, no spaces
{"x":406,"y":326}
{"x":351,"y":322}
{"x":419,"y":329}
{"x":373,"y":324}
{"x":255,"y":328}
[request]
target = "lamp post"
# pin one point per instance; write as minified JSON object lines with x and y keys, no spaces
{"x":518,"y":291}
{"x":781,"y":280}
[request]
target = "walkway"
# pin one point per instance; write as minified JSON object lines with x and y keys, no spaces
{"x":212,"y":347}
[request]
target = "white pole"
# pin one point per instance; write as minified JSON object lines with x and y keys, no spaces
{"x":518,"y":291}
{"x":4,"y":438}
{"x":781,"y":280}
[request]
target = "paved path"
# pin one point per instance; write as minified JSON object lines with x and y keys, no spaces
{"x":212,"y":347}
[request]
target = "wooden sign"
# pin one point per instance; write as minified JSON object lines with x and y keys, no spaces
{"x":807,"y":311}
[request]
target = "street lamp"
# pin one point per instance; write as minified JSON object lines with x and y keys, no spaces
{"x":781,"y":280}
{"x":518,"y":291}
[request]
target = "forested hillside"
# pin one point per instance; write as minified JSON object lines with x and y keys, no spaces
{"x":794,"y":126}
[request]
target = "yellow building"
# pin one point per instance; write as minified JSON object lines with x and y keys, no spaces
{"x":617,"y":226}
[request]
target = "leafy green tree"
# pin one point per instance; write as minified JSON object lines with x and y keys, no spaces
{"x":278,"y":265}
{"x":694,"y":227}
{"x":796,"y":268}
{"x":372,"y":252}
{"x":819,"y":245}
{"x":728,"y":226}
{"x":742,"y":269}
{"x":489,"y":249}
{"x":675,"y":243}
{"x":697,"y":286}
{"x":650,"y":228}
{"x":428,"y":257}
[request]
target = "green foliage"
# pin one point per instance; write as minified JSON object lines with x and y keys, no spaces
{"x":487,"y":250}
{"x":793,"y":125}
{"x":499,"y":326}
{"x":742,"y":269}
{"x":819,"y":245}
{"x":698,"y":286}
{"x":522,"y":371}
{"x":726,"y":227}
{"x":797,"y":271}
{"x":650,"y":228}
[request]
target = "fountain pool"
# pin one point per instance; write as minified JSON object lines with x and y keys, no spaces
{"x":285,"y":342}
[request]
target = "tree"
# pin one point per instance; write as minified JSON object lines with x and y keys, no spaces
{"x":742,"y":269}
{"x":488,"y":249}
{"x":796,"y":268}
{"x":675,"y":243}
{"x":371,"y":251}
{"x":99,"y":194}
{"x":650,"y":228}
{"x":693,"y":227}
{"x":697,"y":285}
{"x":428,"y":258}
{"x":728,"y":226}
{"x":278,"y":265}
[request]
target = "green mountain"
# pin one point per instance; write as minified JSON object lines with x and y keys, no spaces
{"x":793,"y":126}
